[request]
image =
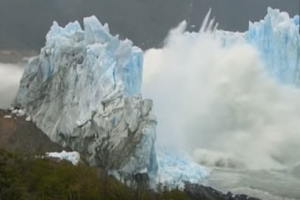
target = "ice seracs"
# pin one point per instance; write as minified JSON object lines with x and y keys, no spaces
{"x":277,"y":40}
{"x":83,"y":91}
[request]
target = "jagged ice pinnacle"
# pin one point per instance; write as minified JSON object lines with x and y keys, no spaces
{"x":83,"y":91}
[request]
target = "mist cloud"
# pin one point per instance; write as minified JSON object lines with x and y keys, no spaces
{"x":10,"y":75}
{"x":220,"y":104}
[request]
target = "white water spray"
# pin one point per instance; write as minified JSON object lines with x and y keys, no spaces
{"x":219,"y":104}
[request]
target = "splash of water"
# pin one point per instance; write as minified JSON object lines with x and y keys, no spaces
{"x":219,"y":104}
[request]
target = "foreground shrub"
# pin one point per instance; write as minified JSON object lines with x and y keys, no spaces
{"x":47,"y":179}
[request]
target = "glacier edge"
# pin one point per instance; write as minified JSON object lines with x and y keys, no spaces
{"x":83,"y":91}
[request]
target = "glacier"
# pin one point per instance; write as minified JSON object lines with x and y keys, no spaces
{"x":83,"y":91}
{"x":277,"y":39}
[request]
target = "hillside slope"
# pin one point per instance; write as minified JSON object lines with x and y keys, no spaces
{"x":23,"y":137}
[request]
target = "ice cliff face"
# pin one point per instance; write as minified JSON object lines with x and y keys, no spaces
{"x":277,"y":40}
{"x":83,"y":91}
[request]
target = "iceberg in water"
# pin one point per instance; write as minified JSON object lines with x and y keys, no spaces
{"x":83,"y":91}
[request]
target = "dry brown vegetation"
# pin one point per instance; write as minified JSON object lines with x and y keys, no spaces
{"x":45,"y":179}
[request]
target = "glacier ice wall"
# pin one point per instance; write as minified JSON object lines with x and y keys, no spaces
{"x":277,"y":39}
{"x":83,"y":91}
